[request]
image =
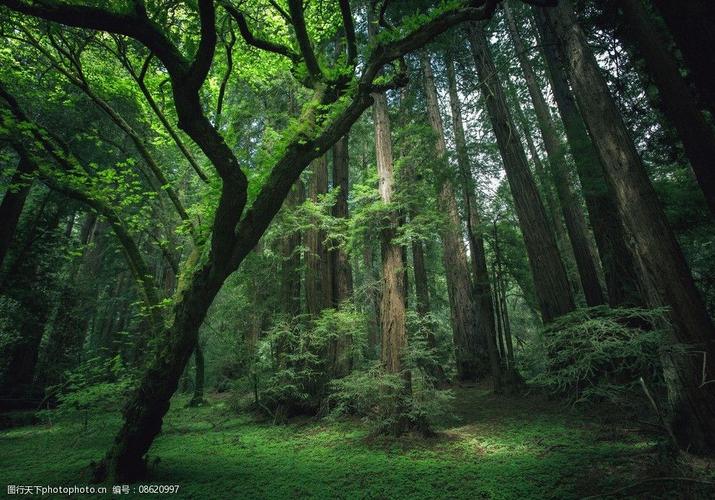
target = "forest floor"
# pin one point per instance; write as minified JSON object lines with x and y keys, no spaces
{"x":490,"y":447}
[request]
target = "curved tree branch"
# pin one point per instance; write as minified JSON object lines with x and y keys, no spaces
{"x":297,"y":16}
{"x":253,"y":40}
{"x":349,"y":27}
{"x":201,"y":64}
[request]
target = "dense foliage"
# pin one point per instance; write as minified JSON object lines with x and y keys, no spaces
{"x":372,"y":214}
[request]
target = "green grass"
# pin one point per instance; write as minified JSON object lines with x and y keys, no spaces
{"x":500,"y":448}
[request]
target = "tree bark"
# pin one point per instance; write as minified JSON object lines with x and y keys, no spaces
{"x":551,"y":283}
{"x":342,"y":275}
{"x":691,"y":25}
{"x":480,"y":274}
{"x":676,"y":98}
{"x":342,"y":271}
{"x":13,"y":202}
{"x":570,"y":205}
{"x":199,"y":376}
{"x":318,"y":280}
{"x":290,"y":266}
{"x":616,"y":258}
{"x":665,"y":274}
{"x":392,"y":305}
{"x":373,"y":301}
{"x":469,"y":350}
{"x":542,"y":178}
{"x":422,"y":302}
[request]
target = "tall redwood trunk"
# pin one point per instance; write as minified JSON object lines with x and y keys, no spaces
{"x":342,"y":272}
{"x":665,"y":274}
{"x":570,"y":205}
{"x":318,"y":280}
{"x":13,"y":202}
{"x":470,"y":350}
{"x":542,"y":179}
{"x":480,"y":274}
{"x":676,"y":98}
{"x":691,"y":24}
{"x":290,"y":266}
{"x":342,"y":275}
{"x":616,"y":258}
{"x":550,"y":281}
{"x":392,"y":305}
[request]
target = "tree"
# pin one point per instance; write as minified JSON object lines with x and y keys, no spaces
{"x":664,"y":272}
{"x":338,"y":99}
{"x":13,"y":203}
{"x":616,"y":258}
{"x":469,"y":346}
{"x":552,"y":287}
{"x":480,"y":274}
{"x":676,"y":98}
{"x":690,"y":24}
{"x":570,"y":206}
{"x":318,"y":269}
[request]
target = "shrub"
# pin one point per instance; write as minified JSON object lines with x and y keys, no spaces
{"x":598,"y":353}
{"x":292,"y":364}
{"x":381,"y":398}
{"x":98,"y":384}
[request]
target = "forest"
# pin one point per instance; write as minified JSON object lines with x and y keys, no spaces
{"x":357,"y":249}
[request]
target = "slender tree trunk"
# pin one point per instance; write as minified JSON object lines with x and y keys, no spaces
{"x":691,"y":25}
{"x":342,"y":272}
{"x":370,"y":284}
{"x":480,"y":274}
{"x":106,"y":335}
{"x":542,"y":178}
{"x":392,"y":306}
{"x":69,"y":325}
{"x":512,"y":380}
{"x":422,"y":301}
{"x":342,"y":275}
{"x":199,"y":376}
{"x":664,"y":271}
{"x":551,"y":283}
{"x":616,"y":258}
{"x":676,"y":98}
{"x":13,"y":202}
{"x":570,"y":205}
{"x":498,"y":306}
{"x":373,"y":301}
{"x":318,"y":281}
{"x":290,"y":266}
{"x":470,"y":351}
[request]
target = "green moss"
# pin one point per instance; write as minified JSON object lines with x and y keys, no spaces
{"x":492,"y":448}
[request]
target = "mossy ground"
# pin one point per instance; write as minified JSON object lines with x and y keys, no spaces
{"x":491,"y":447}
